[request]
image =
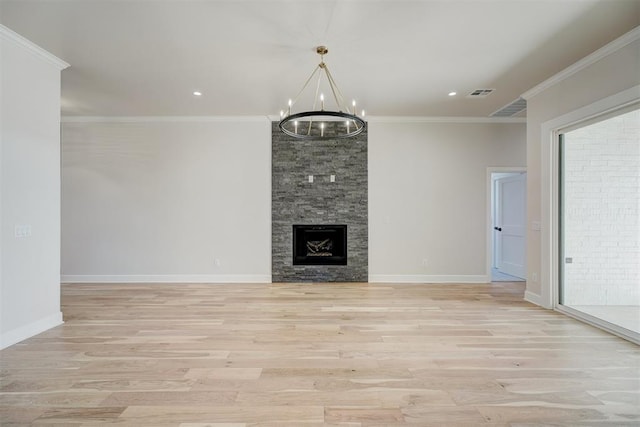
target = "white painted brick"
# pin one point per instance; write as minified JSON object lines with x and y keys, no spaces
{"x":602,"y":212}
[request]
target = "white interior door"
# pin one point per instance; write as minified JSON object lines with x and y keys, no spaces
{"x":509,"y":227}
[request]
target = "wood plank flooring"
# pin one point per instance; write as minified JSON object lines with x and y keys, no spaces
{"x":329,"y":354}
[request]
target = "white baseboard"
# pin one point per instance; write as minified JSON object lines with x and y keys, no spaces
{"x":406,"y":278}
{"x":534,"y":299}
{"x":168,"y":278}
{"x":27,"y":331}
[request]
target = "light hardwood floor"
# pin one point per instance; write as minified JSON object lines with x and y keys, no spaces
{"x":329,"y":354}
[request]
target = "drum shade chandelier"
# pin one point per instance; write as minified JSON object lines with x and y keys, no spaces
{"x":318,"y":123}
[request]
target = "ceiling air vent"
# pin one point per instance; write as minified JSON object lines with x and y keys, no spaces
{"x":511,"y":109}
{"x":480,"y":93}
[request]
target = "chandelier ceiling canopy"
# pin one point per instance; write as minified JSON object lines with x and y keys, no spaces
{"x":318,"y":122}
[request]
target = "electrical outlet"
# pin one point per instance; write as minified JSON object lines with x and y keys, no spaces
{"x":425,"y":262}
{"x":534,"y":277}
{"x":216,"y":261}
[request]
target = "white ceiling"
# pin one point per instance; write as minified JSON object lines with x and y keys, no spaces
{"x":397,"y":58}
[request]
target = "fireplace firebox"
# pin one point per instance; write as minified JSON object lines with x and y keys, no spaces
{"x":320,"y":244}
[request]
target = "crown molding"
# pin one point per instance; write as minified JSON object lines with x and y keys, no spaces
{"x":262,"y":119}
{"x":18,"y":40}
{"x":162,"y":119}
{"x":418,"y":119}
{"x":433,"y":119}
{"x":585,"y":62}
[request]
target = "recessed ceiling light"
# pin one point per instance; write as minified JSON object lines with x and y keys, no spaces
{"x":196,"y":93}
{"x":453,"y":93}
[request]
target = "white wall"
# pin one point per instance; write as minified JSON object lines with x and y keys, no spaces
{"x":30,"y":189}
{"x":428,"y":197}
{"x":593,"y":85}
{"x":161,"y":200}
{"x":178,"y":200}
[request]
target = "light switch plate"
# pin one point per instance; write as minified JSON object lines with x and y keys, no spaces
{"x":22,"y":231}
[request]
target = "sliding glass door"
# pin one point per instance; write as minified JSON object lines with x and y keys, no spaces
{"x":600,"y":220}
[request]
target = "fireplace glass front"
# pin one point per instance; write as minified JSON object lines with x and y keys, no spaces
{"x":320,"y":244}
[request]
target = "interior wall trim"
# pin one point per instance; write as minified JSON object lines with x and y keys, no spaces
{"x":534,"y":299}
{"x":27,"y":331}
{"x":585,"y":62}
{"x":425,"y":279}
{"x":12,"y":36}
{"x":269,"y":119}
{"x":164,"y":119}
{"x":435,"y":119}
{"x":168,"y":278}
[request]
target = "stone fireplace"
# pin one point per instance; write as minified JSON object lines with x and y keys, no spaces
{"x":319,"y":209}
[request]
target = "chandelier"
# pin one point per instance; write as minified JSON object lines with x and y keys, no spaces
{"x":318,"y":123}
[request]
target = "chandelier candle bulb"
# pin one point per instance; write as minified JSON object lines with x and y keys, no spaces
{"x":354,"y":106}
{"x":321,"y":129}
{"x":295,"y":126}
{"x":290,"y":102}
{"x":322,"y":101}
{"x":347,"y":123}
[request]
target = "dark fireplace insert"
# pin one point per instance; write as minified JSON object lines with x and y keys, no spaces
{"x":320,"y":244}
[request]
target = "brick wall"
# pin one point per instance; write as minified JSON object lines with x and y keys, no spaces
{"x":295,"y":200}
{"x":602,"y":212}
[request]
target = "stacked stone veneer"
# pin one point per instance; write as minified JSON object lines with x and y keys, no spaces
{"x":602,"y":212}
{"x":295,"y":200}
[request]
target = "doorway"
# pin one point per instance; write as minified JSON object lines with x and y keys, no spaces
{"x":507,"y":225}
{"x":599,"y":262}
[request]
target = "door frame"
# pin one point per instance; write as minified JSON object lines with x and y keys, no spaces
{"x":549,"y":200}
{"x":489,"y":209}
